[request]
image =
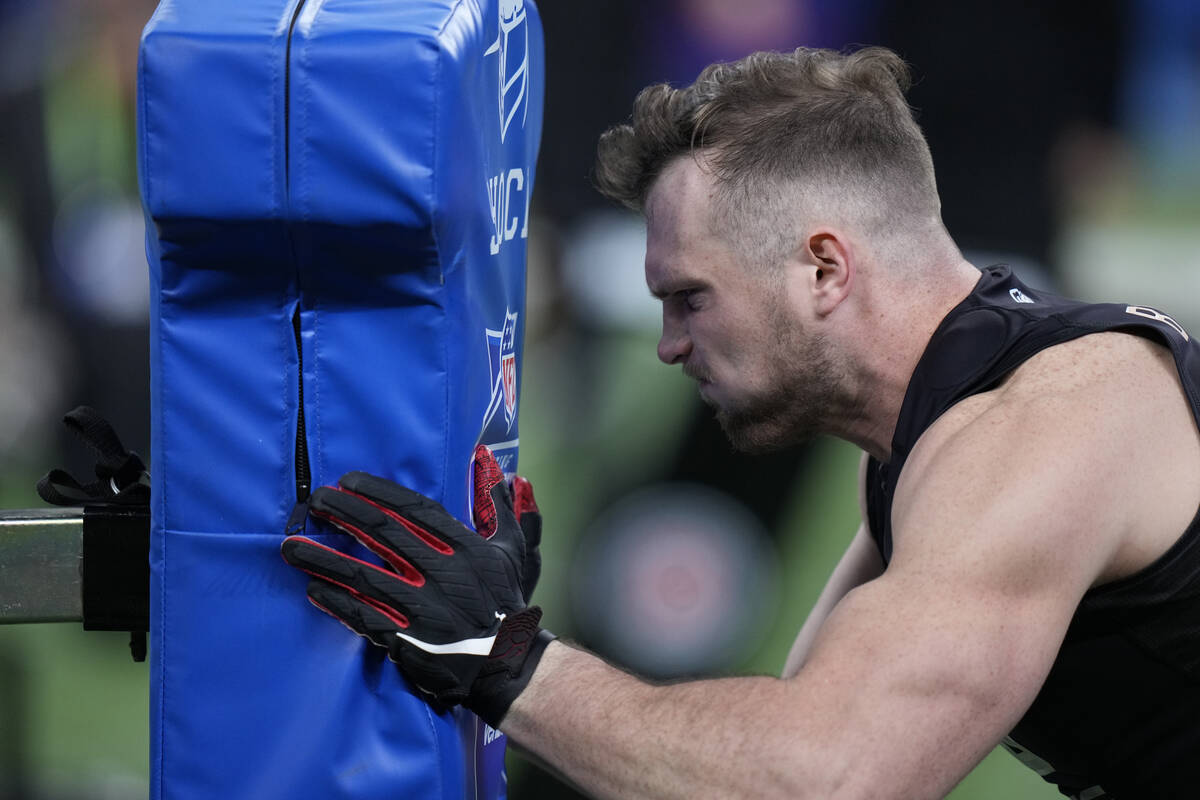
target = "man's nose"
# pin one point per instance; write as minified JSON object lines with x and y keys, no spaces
{"x":674,"y":345}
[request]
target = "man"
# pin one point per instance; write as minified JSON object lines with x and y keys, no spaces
{"x":1029,"y":560}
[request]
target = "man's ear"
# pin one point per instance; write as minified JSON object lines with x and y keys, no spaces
{"x":833,"y":268}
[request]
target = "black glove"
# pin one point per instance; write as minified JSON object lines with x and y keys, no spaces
{"x":451,"y":607}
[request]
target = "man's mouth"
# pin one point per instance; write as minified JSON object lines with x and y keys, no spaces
{"x":705,"y":385}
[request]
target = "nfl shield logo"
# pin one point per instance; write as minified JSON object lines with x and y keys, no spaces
{"x":502,"y":371}
{"x":508,"y":371}
{"x":508,"y":366}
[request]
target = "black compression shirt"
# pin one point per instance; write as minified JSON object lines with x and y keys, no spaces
{"x":1119,"y":714}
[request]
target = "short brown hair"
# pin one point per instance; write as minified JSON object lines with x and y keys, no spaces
{"x":836,"y":122}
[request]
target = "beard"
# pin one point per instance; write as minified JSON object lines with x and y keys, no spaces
{"x":795,"y":406}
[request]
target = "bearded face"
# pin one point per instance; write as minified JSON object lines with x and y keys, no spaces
{"x":791,"y":404}
{"x":736,"y":327}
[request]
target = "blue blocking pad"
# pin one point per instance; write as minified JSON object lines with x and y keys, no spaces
{"x":337,"y":198}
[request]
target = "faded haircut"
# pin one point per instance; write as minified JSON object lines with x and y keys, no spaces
{"x":829,"y":131}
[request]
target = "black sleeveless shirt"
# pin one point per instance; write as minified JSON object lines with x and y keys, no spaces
{"x":1119,"y":713}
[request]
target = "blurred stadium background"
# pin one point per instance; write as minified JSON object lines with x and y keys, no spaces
{"x":1067,"y":141}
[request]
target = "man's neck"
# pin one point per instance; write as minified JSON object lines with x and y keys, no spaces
{"x":891,"y":344}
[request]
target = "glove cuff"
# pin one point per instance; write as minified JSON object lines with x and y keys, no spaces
{"x":510,"y":666}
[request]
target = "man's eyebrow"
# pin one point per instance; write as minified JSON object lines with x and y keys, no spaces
{"x":676,"y":286}
{"x":667,"y":288}
{"x":661,"y":288}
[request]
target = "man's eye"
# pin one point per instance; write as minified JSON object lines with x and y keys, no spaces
{"x":693,"y":298}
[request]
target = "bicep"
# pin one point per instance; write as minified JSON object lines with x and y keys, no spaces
{"x":927,"y":670}
{"x":923,"y":682}
{"x":935,"y":661}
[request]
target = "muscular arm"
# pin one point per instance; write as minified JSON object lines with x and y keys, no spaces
{"x":1010,"y":508}
{"x":912,"y":680}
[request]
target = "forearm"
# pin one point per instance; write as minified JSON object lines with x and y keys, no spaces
{"x":616,"y":736}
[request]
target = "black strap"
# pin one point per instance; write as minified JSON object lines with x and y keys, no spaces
{"x":116,"y":530}
{"x":121,"y":477}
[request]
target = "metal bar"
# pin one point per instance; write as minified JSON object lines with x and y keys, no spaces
{"x":41,"y":560}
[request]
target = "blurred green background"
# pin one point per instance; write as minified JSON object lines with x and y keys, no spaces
{"x":1079,"y":161}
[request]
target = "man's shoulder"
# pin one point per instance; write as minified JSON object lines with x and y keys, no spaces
{"x":1113,"y":362}
{"x":1093,"y":376}
{"x":1101,"y":421}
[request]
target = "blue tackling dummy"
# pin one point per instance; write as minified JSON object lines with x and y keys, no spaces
{"x":337,"y":196}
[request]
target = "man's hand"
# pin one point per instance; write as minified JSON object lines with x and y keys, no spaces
{"x":451,"y":607}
